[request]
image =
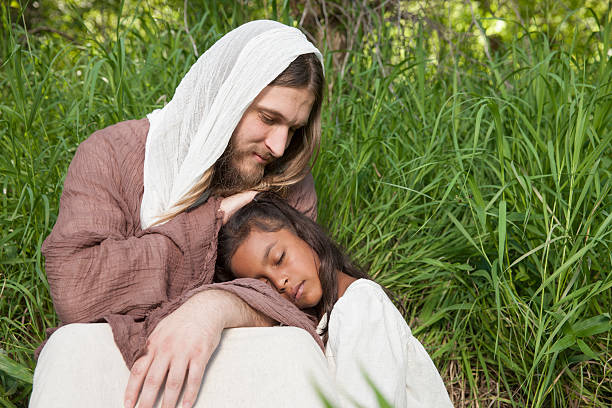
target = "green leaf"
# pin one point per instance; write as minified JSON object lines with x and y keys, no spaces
{"x":501,"y":234}
{"x":587,"y":350}
{"x":14,"y":369}
{"x":592,"y":326}
{"x":563,"y":343}
{"x":462,"y":229}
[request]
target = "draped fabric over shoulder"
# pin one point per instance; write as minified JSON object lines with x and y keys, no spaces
{"x":103,"y":260}
{"x":191,"y":132}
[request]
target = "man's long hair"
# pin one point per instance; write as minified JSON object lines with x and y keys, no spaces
{"x":305,"y":72}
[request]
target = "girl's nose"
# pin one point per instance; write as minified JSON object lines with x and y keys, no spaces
{"x":281,"y":284}
{"x":276,"y":141}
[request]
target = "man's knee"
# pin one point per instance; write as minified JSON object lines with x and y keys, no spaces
{"x":291,"y":338}
{"x":79,"y":366}
{"x":273,"y":343}
{"x":76,"y":340}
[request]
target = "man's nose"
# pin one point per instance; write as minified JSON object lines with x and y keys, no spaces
{"x":276,"y":141}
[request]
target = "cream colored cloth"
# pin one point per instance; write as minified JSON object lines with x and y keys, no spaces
{"x":189,"y":134}
{"x":368,"y":334}
{"x":253,"y":367}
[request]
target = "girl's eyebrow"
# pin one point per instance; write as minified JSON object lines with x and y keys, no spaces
{"x":268,"y":248}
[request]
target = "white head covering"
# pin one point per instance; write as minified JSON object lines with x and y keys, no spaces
{"x":189,"y":134}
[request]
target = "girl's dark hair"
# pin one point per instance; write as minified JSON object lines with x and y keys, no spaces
{"x":269,"y":213}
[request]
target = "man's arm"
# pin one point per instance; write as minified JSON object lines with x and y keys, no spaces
{"x":232,"y":310}
{"x":190,"y":331}
{"x":183,"y":342}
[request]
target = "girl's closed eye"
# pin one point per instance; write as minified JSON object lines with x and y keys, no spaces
{"x":280,"y":259}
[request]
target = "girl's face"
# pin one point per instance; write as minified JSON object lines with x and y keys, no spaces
{"x":283,"y":261}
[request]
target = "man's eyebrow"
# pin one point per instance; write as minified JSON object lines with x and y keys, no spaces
{"x":268,"y":248}
{"x":274,"y":112}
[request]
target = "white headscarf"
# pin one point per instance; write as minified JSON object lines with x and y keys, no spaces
{"x":189,"y":134}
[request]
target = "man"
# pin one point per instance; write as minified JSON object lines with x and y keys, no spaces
{"x":135,"y":240}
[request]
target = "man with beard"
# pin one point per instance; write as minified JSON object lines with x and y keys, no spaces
{"x":134,"y":244}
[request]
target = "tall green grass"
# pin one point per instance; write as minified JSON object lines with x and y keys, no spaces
{"x":480,"y":194}
{"x":485,"y":200}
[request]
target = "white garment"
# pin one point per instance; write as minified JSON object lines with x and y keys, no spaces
{"x":189,"y":134}
{"x":80,"y":366}
{"x":255,"y":367}
{"x":368,"y":334}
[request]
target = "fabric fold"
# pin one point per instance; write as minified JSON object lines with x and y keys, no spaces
{"x":190,"y":133}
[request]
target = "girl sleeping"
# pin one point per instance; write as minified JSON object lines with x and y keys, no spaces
{"x":366,"y":336}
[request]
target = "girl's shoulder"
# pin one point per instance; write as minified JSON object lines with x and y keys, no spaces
{"x":365,"y":284}
{"x":365,"y":303}
{"x":363,"y":290}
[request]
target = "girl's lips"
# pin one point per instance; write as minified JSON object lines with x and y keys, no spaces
{"x":298,"y":291}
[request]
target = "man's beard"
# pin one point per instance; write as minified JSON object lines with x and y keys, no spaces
{"x":229,"y":178}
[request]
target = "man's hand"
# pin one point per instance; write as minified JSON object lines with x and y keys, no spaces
{"x":229,"y":205}
{"x":183,"y":343}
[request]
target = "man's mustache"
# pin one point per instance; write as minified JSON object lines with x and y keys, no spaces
{"x":266,"y":156}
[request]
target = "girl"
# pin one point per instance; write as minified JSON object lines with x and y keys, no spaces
{"x":366,"y":336}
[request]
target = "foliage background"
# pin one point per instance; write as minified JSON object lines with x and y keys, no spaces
{"x":466,"y":160}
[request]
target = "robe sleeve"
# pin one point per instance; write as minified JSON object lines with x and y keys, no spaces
{"x":253,"y":292}
{"x":99,"y":263}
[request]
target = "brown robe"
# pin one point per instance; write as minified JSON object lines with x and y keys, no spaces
{"x":102,"y":266}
